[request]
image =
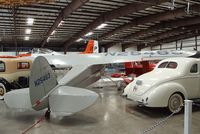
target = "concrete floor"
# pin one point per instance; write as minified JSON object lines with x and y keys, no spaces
{"x":111,"y":114}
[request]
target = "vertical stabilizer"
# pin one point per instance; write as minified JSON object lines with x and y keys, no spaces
{"x":42,"y":81}
{"x":92,"y":47}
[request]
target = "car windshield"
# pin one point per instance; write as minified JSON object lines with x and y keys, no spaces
{"x":171,"y":65}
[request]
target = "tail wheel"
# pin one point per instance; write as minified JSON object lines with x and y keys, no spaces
{"x":175,"y":103}
{"x":2,"y":91}
{"x":47,"y":114}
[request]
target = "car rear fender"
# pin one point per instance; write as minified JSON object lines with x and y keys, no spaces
{"x":159,"y":96}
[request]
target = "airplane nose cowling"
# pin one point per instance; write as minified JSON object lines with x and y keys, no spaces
{"x":67,"y":100}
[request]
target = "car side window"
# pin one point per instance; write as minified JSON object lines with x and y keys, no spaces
{"x":163,"y":65}
{"x":194,"y":68}
{"x":2,"y":66}
{"x":172,"y":65}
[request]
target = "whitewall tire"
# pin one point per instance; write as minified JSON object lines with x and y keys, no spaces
{"x":2,"y":91}
{"x":175,"y":102}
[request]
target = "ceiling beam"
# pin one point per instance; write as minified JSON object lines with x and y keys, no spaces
{"x":170,"y":36}
{"x":182,"y":24}
{"x":71,"y":7}
{"x":116,"y":13}
{"x":172,"y":32}
{"x":174,"y":38}
{"x":168,"y":15}
{"x":177,"y":37}
{"x":163,"y":25}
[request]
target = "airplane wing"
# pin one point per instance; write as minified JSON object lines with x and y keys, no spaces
{"x":113,"y":57}
{"x":85,"y":68}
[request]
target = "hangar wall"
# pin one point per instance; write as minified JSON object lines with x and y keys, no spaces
{"x":115,"y":48}
{"x":132,"y":48}
{"x":146,"y":49}
{"x":186,"y":44}
{"x":8,"y":53}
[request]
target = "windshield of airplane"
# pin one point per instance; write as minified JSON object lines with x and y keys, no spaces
{"x":41,"y":51}
{"x":171,"y":65}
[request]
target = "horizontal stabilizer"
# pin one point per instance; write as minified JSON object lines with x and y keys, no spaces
{"x":18,"y":99}
{"x":68,"y":100}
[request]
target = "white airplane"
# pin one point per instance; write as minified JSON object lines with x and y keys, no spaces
{"x":91,"y":47}
{"x":68,"y":95}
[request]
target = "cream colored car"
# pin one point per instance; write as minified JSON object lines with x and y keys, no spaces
{"x":172,"y":81}
{"x":14,"y":73}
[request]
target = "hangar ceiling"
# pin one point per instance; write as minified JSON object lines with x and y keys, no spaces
{"x":62,"y":24}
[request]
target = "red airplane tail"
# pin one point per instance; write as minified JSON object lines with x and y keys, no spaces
{"x":92,"y":47}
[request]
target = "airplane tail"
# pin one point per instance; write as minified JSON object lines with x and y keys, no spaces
{"x":41,"y":83}
{"x":45,"y":92}
{"x":92,"y":47}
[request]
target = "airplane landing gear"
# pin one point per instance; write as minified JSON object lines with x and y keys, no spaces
{"x":47,"y":114}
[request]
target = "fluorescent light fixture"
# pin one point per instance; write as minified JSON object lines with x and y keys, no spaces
{"x":61,"y":23}
{"x":28,"y":31}
{"x":102,"y":26}
{"x":80,"y":39}
{"x":53,"y":32}
{"x":30,"y":21}
{"x":88,"y":34}
{"x":26,"y":38}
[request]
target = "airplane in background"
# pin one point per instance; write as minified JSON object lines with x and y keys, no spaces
{"x":68,"y":95}
{"x":139,"y":68}
{"x":91,"y":47}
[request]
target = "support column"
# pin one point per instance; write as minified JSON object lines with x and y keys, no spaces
{"x":188,"y":117}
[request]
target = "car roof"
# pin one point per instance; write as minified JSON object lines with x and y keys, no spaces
{"x":183,"y":63}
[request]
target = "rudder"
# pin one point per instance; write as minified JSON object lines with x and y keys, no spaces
{"x":92,"y":47}
{"x":42,"y":81}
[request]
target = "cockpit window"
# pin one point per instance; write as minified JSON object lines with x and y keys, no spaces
{"x":194,"y":68}
{"x":163,"y":65}
{"x":172,"y":65}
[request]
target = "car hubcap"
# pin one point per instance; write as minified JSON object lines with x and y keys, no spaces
{"x":175,"y":102}
{"x":1,"y":91}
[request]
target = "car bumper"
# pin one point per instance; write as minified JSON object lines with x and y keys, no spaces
{"x":141,"y":100}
